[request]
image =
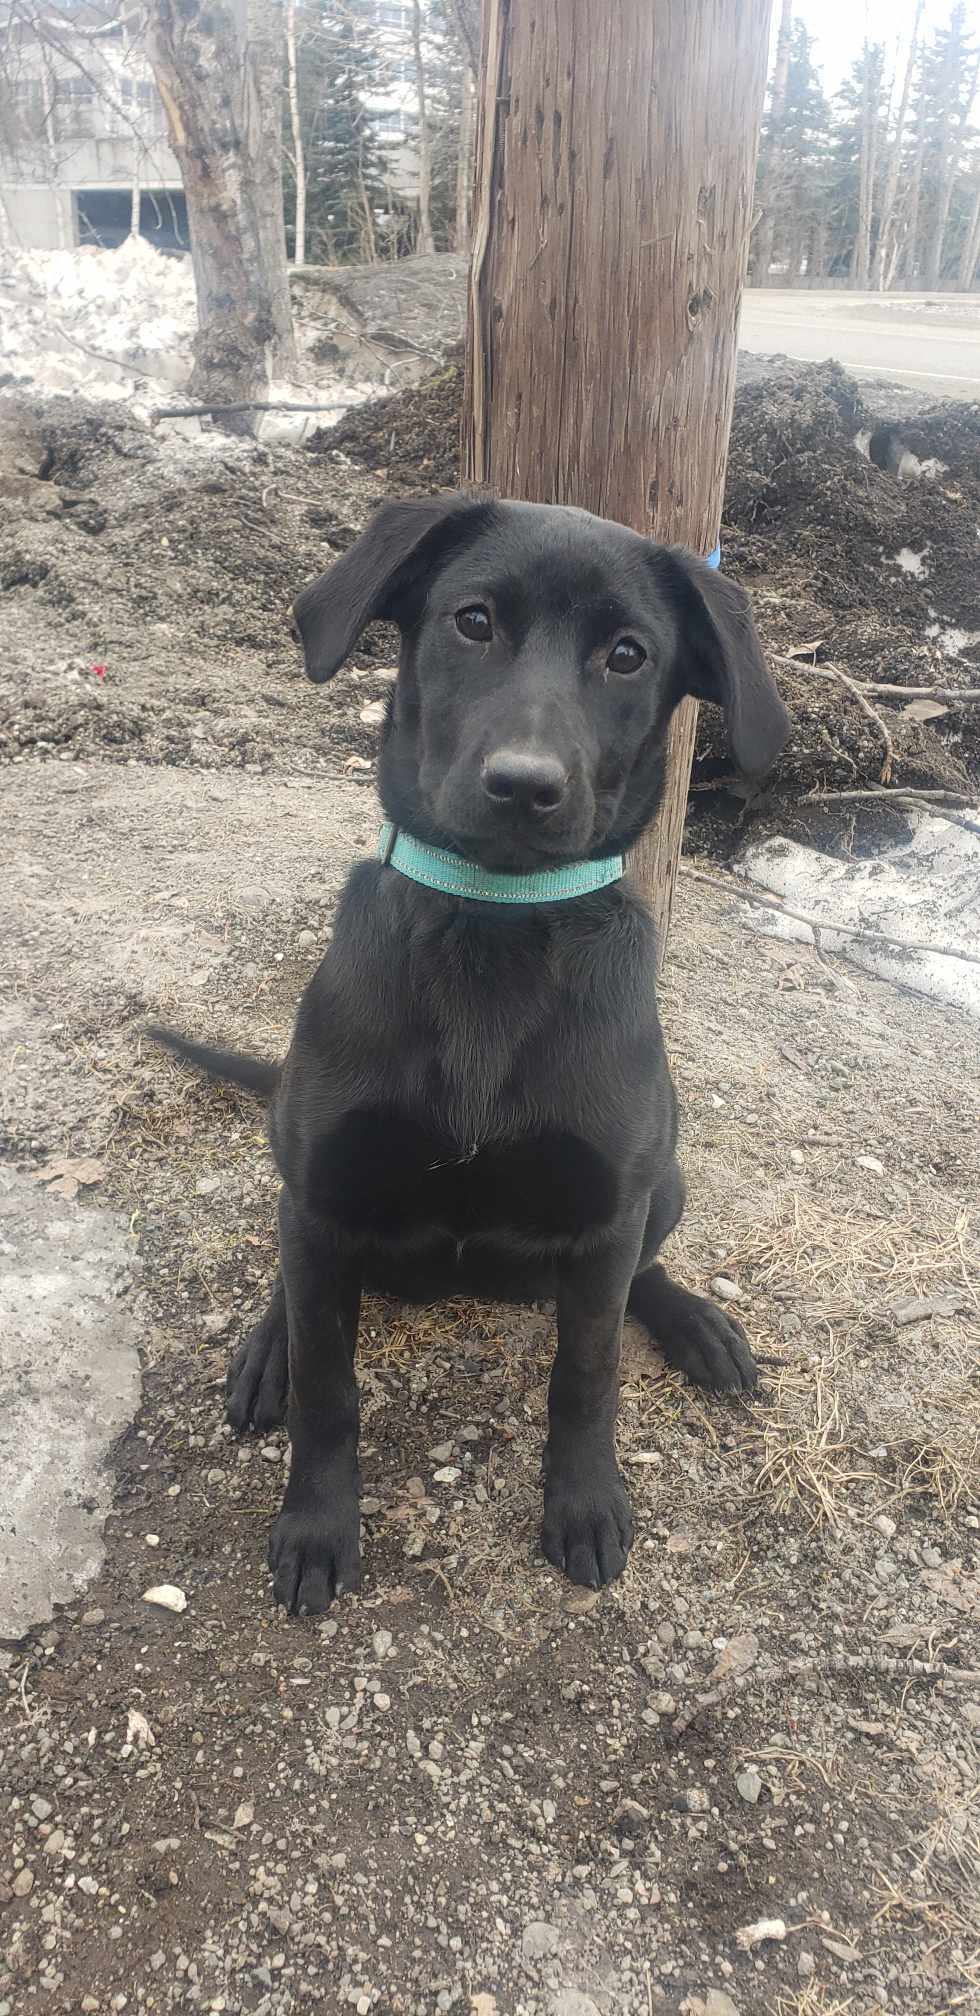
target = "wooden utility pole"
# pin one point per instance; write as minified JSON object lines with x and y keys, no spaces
{"x":614,"y":184}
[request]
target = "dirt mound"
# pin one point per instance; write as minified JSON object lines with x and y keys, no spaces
{"x":847,"y":564}
{"x":411,"y":438}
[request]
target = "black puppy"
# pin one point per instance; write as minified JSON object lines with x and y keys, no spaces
{"x":476,"y":1100}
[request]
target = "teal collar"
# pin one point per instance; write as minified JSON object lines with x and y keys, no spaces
{"x":436,"y":868}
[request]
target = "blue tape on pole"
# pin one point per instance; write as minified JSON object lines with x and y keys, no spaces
{"x":714,"y":559}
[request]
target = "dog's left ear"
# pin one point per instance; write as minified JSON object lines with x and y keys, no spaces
{"x":720,"y":659}
{"x":365,"y":584}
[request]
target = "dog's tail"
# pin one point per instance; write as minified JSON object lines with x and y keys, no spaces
{"x":230,"y":1065}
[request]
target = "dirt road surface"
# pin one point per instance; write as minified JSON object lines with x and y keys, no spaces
{"x":931,"y":344}
{"x":461,"y":1791}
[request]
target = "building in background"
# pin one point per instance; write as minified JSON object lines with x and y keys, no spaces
{"x":83,"y":147}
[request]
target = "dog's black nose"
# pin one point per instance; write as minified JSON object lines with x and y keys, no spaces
{"x":526,"y":782}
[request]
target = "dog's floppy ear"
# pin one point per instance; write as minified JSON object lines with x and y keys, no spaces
{"x":721,"y":659}
{"x":364,"y":583}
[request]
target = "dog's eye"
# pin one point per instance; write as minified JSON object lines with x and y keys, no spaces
{"x":475,"y":623}
{"x":626,"y":656}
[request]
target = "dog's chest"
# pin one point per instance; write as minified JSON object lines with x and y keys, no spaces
{"x":388,"y":1177}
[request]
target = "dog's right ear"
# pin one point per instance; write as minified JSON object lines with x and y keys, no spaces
{"x":367,"y":582}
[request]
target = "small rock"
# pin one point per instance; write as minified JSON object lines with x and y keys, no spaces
{"x":886,"y":1526}
{"x":579,"y":1604}
{"x":806,"y":1965}
{"x":244,"y":1815}
{"x":748,"y":1785}
{"x":55,"y":1842}
{"x":442,"y":1453}
{"x":42,"y":1809}
{"x":166,"y":1596}
{"x":695,"y":1800}
{"x":662,"y":1704}
{"x":382,"y":1702}
{"x":872,"y":1163}
{"x":382,"y":1643}
{"x":717,"y":2003}
{"x":571,"y":2002}
{"x":539,"y":1940}
{"x":797,"y":1157}
{"x":92,"y":1617}
{"x":151,"y":1539}
{"x":88,"y":2002}
{"x":725,"y":1289}
{"x":23,"y":1883}
{"x":306,"y":940}
{"x":448,"y":1475}
{"x":207,"y":1185}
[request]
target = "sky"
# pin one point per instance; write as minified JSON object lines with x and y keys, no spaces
{"x":840,"y":27}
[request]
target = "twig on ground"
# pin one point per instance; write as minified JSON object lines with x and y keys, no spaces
{"x":859,"y":694}
{"x":932,"y":801}
{"x":922,"y":797}
{"x":819,"y":924}
{"x":843,"y":1662}
{"x":250,"y":406}
{"x":952,"y":695}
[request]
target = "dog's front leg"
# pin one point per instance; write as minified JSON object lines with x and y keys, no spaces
{"x":314,"y":1548}
{"x":588,"y":1524}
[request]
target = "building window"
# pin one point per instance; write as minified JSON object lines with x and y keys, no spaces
{"x":389,"y":16}
{"x":74,"y":102}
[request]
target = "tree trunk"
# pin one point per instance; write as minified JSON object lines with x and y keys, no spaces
{"x":769,"y":196}
{"x":426,"y":241}
{"x":209,"y":91}
{"x":910,"y":262}
{"x":882,"y":250}
{"x":970,"y":255}
{"x":614,"y":199}
{"x":296,"y":124}
{"x":262,"y":139}
{"x":464,"y":165}
{"x":952,"y":149}
{"x":861,"y":250}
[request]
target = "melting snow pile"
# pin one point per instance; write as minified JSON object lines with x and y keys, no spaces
{"x":927,"y":892}
{"x":110,"y":325}
{"x":114,"y":325}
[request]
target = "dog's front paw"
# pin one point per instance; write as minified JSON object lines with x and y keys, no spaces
{"x":315,"y":1555}
{"x":710,"y":1347}
{"x":588,"y":1525}
{"x":258,"y":1376}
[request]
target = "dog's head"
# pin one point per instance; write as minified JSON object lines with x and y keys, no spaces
{"x":543,"y":653}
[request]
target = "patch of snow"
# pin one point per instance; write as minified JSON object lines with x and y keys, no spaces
{"x":927,"y":891}
{"x":952,"y":642}
{"x":911,"y":562}
{"x":119,"y":325}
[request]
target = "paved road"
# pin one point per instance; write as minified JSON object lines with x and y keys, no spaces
{"x":931,"y":345}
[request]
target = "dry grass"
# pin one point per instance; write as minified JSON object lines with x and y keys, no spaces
{"x":940,"y":1893}
{"x":938,"y":1458}
{"x":805,"y":1449}
{"x":858,"y":1259}
{"x":813,"y":2000}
